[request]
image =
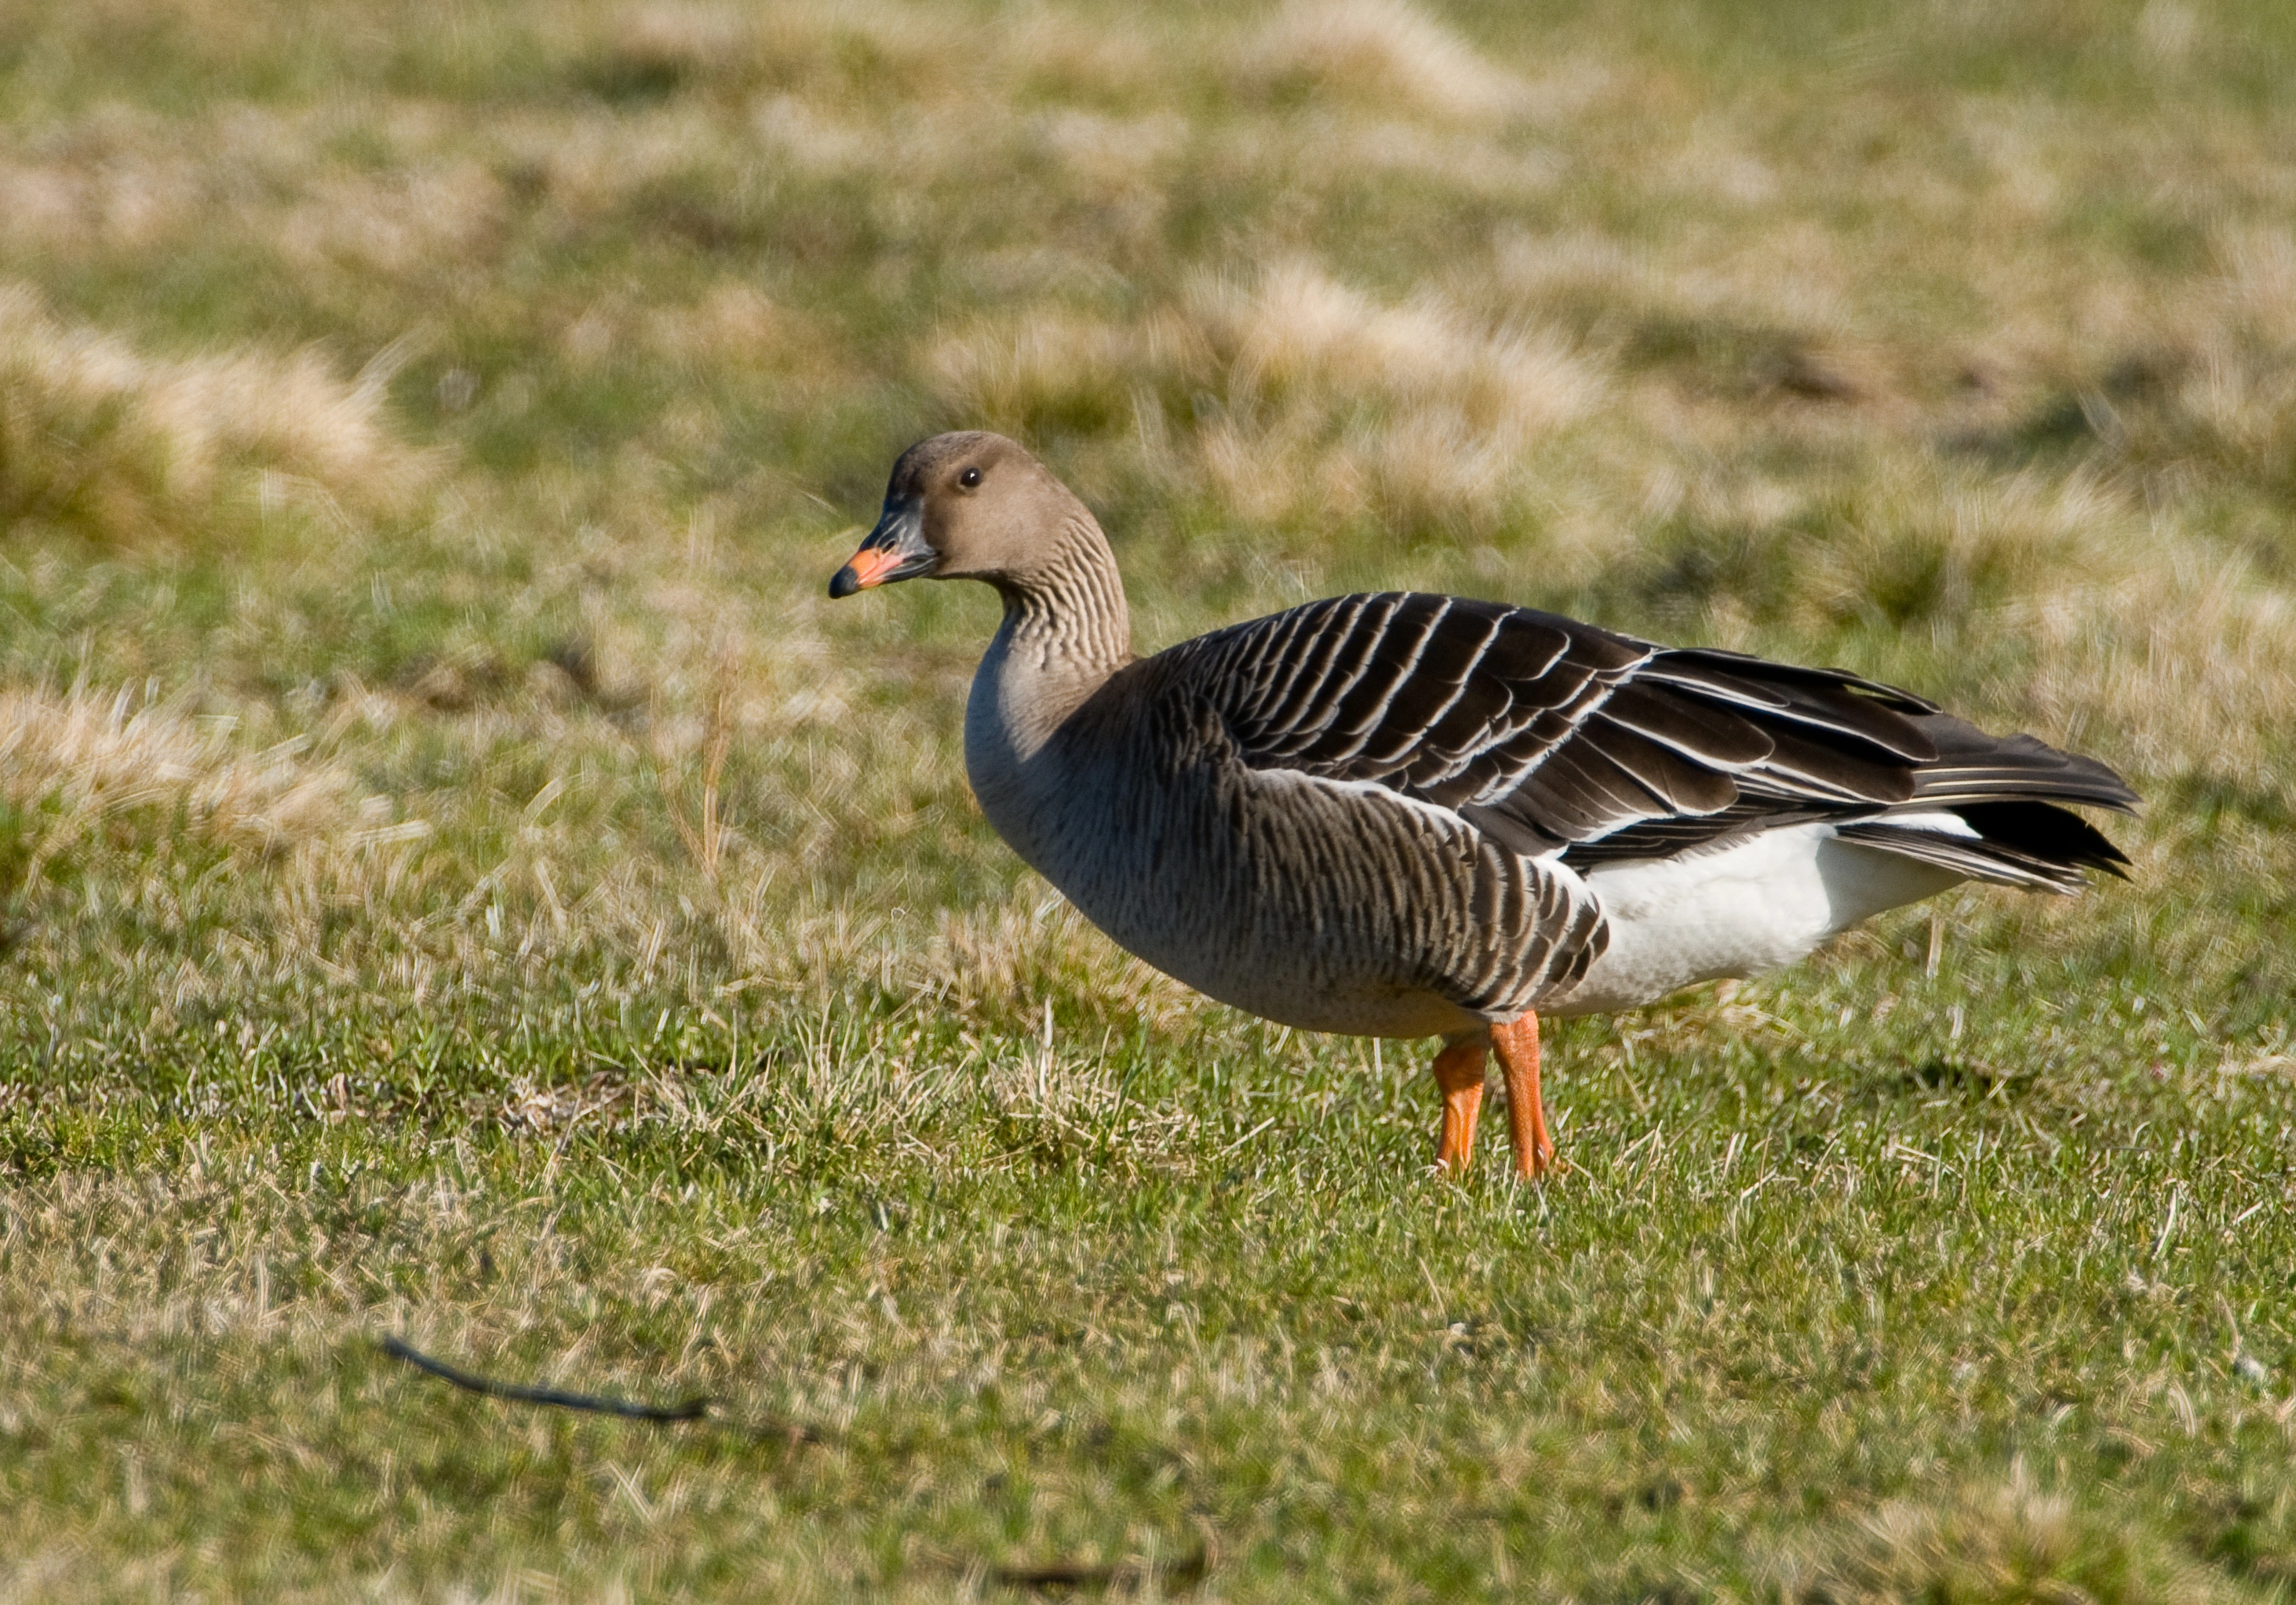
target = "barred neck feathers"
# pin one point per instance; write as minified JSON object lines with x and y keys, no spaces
{"x":1068,"y":611}
{"x":1066,"y":630}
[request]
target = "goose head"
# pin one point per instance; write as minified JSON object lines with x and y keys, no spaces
{"x":967,"y":506}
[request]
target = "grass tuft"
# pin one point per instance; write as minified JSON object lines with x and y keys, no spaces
{"x":119,"y":446}
{"x":2011,"y":1541}
{"x":1382,"y":51}
{"x":1290,"y":397}
{"x":78,"y":760}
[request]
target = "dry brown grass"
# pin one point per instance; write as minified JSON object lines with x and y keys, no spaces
{"x":102,"y":437}
{"x":73,"y":760}
{"x":1383,"y":51}
{"x":1291,"y":396}
{"x":2011,"y":1541}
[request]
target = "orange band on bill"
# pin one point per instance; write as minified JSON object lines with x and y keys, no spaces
{"x":871,"y":564}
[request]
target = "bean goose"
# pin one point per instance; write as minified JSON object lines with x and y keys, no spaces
{"x":1411,"y":816}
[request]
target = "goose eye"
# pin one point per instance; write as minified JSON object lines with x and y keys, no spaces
{"x":969,"y":478}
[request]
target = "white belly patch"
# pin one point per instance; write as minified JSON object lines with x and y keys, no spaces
{"x":1758,"y":906}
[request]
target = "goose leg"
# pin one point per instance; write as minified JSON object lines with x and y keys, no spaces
{"x":1518,"y":1047}
{"x":1459,"y":1072}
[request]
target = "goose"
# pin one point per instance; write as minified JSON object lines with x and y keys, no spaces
{"x":1407,"y":816}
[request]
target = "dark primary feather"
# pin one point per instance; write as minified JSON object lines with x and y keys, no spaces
{"x":1554,"y":736}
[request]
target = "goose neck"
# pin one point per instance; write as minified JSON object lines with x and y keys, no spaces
{"x":1068,"y":618}
{"x":1065,"y":632}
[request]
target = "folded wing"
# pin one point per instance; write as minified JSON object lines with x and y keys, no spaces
{"x":1559,"y":738}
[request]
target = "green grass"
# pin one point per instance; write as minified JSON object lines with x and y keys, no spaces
{"x":460,"y":877}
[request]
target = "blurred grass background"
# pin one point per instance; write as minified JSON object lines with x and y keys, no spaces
{"x":462,"y":876}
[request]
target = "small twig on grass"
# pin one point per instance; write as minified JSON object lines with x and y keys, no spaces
{"x":696,"y":1409}
{"x":690,"y":1410}
{"x":1178,"y":1576}
{"x":1137,"y":1576}
{"x":1056,"y":1577}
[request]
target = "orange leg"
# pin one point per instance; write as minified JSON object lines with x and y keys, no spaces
{"x":1518,"y":1047}
{"x":1459,"y":1072}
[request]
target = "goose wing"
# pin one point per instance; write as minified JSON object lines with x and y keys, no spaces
{"x":1559,"y":738}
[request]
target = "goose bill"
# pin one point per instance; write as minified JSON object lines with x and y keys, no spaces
{"x":894,"y":549}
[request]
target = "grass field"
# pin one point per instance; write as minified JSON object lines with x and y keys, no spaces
{"x":463,"y":879}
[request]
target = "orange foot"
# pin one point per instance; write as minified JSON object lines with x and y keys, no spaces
{"x":1459,"y":1072}
{"x":1518,"y":1047}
